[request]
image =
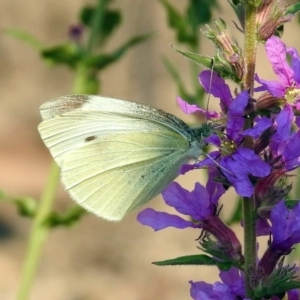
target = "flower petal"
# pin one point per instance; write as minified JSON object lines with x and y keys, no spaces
{"x":276,"y":52}
{"x":193,"y":108}
{"x":215,"y":85}
{"x":160,"y":220}
{"x":259,"y":127}
{"x":195,"y":203}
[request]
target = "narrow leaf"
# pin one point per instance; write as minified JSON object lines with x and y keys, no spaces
{"x":292,"y":9}
{"x":183,"y":93}
{"x":27,"y":206}
{"x":102,"y":60}
{"x":66,"y":54}
{"x":111,"y":20}
{"x":180,"y":24}
{"x":201,"y":60}
{"x":68,"y":218}
{"x":200,"y":259}
{"x":26,"y":37}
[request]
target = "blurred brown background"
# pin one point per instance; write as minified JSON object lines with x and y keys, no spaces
{"x":95,"y":259}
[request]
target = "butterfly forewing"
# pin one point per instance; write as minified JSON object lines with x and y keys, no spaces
{"x":98,"y":116}
{"x":87,"y":103}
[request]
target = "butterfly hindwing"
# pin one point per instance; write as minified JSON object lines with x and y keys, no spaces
{"x":110,"y":176}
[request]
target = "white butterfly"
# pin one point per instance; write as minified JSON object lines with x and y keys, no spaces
{"x":116,"y":155}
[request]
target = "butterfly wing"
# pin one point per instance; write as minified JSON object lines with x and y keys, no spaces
{"x":71,"y":120}
{"x":116,"y":174}
{"x":113,"y":159}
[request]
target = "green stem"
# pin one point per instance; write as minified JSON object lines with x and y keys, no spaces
{"x":249,"y":207}
{"x":249,"y":241}
{"x":85,"y":82}
{"x":96,"y":25}
{"x":38,"y":234}
{"x":250,"y":46}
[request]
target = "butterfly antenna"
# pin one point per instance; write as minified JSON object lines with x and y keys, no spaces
{"x":206,"y":154}
{"x":210,"y":82}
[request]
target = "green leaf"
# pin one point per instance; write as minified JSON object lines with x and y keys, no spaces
{"x":198,"y":259}
{"x":201,"y":60}
{"x":291,"y":203}
{"x":180,"y":24}
{"x":27,"y":206}
{"x":111,"y":20}
{"x":102,"y":60}
{"x":279,"y":289}
{"x":239,"y":9}
{"x":68,"y":218}
{"x":183,"y":93}
{"x":200,"y":12}
{"x":66,"y":54}
{"x":286,"y":286}
{"x":292,"y":9}
{"x":221,"y":67}
{"x":26,"y":37}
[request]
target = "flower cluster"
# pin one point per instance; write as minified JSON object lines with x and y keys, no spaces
{"x":258,"y":145}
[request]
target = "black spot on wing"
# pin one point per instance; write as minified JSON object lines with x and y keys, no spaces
{"x":90,"y":138}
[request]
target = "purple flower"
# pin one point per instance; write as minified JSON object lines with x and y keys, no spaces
{"x":285,"y":227}
{"x":197,"y":204}
{"x":283,"y":123}
{"x":76,"y":33}
{"x":215,"y":85}
{"x":193,"y":108}
{"x":231,"y":288}
{"x":285,"y":144}
{"x":239,"y":165}
{"x":261,"y":125}
{"x":235,"y":117}
{"x":293,"y":295}
{"x":240,"y":162}
{"x":289,"y":75}
{"x":285,"y":234}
